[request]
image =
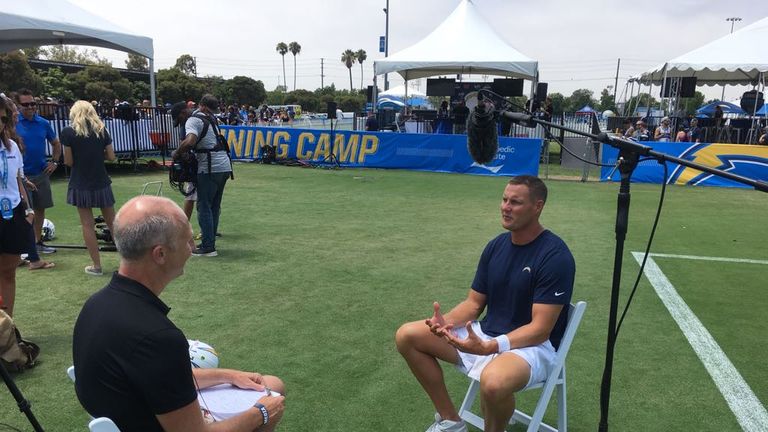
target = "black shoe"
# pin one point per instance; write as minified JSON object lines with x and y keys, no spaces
{"x":206,"y":252}
{"x":218,"y":234}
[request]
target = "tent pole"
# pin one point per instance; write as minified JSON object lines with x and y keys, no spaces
{"x":152,"y":84}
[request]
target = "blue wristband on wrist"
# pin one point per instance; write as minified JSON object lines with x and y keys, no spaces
{"x":264,"y":412}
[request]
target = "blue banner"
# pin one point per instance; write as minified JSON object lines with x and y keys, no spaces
{"x":358,"y":149}
{"x":749,"y":161}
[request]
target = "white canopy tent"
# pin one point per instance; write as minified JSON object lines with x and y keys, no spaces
{"x":30,"y":23}
{"x":736,"y":59}
{"x":463,"y":44}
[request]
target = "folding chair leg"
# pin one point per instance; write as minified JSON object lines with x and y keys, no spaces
{"x":562,"y":408}
{"x":465,"y":411}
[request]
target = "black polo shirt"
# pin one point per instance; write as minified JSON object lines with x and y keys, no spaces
{"x":131,"y":361}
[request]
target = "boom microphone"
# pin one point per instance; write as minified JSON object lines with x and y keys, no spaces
{"x":482,"y":133}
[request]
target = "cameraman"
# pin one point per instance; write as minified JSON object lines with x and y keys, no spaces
{"x":213,"y":170}
{"x":180,"y":112}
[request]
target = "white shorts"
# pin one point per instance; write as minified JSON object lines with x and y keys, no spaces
{"x":188,"y":187}
{"x":539,"y":357}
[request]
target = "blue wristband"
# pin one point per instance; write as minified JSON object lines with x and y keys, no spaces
{"x":264,"y":413}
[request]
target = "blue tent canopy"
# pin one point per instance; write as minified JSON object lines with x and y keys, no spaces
{"x":586,"y":109}
{"x":762,"y":111}
{"x":727,"y":107}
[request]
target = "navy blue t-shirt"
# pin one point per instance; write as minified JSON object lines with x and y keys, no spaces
{"x":515,"y":277}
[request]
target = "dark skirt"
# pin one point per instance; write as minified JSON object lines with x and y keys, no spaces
{"x":81,"y":198}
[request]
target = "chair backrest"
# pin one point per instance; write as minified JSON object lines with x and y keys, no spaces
{"x":575,"y":314}
{"x":101,"y":424}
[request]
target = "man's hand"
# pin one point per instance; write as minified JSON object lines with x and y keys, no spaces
{"x":437,"y":322}
{"x":30,"y":185}
{"x":472,"y":344}
{"x":50,"y":167}
{"x":275,"y":406}
{"x":248,"y":380}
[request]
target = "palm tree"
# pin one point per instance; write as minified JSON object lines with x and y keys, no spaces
{"x":348,"y":58}
{"x":361,"y":56}
{"x":294,"y":48}
{"x":282,"y":48}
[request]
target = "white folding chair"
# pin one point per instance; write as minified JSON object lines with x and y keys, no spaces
{"x":101,"y":424}
{"x":555,"y":380}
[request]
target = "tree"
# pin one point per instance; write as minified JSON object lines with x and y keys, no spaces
{"x":70,"y":54}
{"x":100,"y":83}
{"x":361,"y":56}
{"x":140,"y":90}
{"x":186,"y":64}
{"x":606,"y":101}
{"x":348,"y":58}
{"x":558,"y":102}
{"x":245,"y":90}
{"x":173,"y":85}
{"x":294,"y":48}
{"x":693,"y":103}
{"x":578,"y":99}
{"x":15,"y":73}
{"x":137,"y":62}
{"x":282,"y":49}
{"x":643,"y":100}
{"x":33,"y":52}
{"x":56,"y":84}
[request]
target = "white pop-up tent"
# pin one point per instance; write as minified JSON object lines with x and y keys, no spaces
{"x":736,"y":59}
{"x":31,"y":23}
{"x":400,"y":91}
{"x":463,"y":44}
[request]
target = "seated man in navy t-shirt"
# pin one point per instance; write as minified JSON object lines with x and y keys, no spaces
{"x":524,"y":282}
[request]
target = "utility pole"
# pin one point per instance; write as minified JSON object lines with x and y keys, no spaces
{"x":616,"y":81}
{"x":733,"y":21}
{"x":386,"y":43}
{"x":322,"y":71}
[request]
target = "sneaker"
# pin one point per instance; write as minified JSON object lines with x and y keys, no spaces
{"x":41,"y":248}
{"x":206,"y":252}
{"x":441,"y":425}
{"x":24,"y":256}
{"x":93,"y":271}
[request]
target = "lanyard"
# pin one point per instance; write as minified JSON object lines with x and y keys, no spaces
{"x":4,"y":152}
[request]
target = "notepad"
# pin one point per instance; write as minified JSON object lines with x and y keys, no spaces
{"x":225,"y":400}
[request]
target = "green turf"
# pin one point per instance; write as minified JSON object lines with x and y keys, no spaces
{"x":318,"y":268}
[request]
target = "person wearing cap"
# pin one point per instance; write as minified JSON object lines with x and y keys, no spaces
{"x":641,"y":132}
{"x":213,"y":169}
{"x":180,"y":112}
{"x":663,"y":132}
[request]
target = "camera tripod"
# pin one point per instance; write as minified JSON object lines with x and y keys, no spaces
{"x":24,"y":405}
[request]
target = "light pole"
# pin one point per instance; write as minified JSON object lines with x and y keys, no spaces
{"x":386,"y":42}
{"x":733,"y":21}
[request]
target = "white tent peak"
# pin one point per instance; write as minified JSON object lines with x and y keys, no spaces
{"x":47,"y":22}
{"x":736,"y":58}
{"x":463,"y":43}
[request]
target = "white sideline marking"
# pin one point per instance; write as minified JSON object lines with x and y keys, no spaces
{"x":749,"y":412}
{"x":703,"y":258}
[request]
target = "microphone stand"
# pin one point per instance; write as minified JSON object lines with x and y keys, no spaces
{"x":24,"y":405}
{"x":629,"y":155}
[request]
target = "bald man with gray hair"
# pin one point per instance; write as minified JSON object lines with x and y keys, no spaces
{"x":132,"y":362}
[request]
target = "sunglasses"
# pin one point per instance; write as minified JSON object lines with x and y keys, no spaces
{"x":28,"y":104}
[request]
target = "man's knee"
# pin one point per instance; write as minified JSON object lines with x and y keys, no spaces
{"x":408,"y":334}
{"x":275,"y":383}
{"x":499,"y":382}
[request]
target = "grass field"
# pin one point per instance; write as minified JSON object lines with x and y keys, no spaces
{"x":317,"y":269}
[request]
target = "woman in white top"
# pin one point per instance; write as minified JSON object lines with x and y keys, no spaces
{"x":664,"y":131}
{"x":15,"y":215}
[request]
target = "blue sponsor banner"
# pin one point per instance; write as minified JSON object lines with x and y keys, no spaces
{"x":359,"y":149}
{"x":749,"y":161}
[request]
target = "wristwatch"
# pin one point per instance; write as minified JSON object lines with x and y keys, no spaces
{"x":28,"y":212}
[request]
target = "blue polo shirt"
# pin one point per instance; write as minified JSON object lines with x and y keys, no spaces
{"x":514,"y":277}
{"x":36,"y":134}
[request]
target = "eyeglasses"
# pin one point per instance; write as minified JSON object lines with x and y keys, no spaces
{"x":28,"y":104}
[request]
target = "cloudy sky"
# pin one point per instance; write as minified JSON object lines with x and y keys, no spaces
{"x":577,"y":43}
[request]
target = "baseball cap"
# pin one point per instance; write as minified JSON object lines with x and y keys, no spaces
{"x":176,"y":109}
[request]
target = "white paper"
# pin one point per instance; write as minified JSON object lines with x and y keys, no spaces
{"x":225,"y":400}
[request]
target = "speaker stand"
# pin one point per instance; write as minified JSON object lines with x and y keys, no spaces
{"x":331,"y":157}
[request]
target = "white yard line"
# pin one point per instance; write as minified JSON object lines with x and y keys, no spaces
{"x":749,"y":412}
{"x":703,"y":258}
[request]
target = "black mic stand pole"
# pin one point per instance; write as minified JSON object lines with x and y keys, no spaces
{"x":24,"y":405}
{"x":629,"y":154}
